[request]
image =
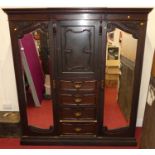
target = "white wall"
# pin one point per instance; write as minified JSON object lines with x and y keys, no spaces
{"x":8,"y":94}
{"x":128,"y":46}
{"x":147,"y":64}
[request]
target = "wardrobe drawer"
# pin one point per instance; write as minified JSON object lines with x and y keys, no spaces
{"x":88,"y":86}
{"x":78,"y":128}
{"x":77,"y":99}
{"x":82,"y":113}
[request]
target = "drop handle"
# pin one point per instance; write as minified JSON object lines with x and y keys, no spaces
{"x":78,"y":114}
{"x":77,"y":85}
{"x":77,"y":129}
{"x":77,"y":100}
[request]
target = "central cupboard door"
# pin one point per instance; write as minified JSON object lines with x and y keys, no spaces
{"x":76,"y":76}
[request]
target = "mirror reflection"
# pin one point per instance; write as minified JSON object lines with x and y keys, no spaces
{"x":36,"y":76}
{"x":119,"y":75}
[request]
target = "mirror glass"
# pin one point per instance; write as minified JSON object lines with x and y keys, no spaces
{"x":119,"y":76}
{"x":34,"y":52}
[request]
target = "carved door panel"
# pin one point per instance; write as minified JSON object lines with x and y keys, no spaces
{"x":77,"y":43}
{"x":76,"y":78}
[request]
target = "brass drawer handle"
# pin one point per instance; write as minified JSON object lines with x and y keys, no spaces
{"x":77,"y":114}
{"x":77,"y":129}
{"x":77,"y":100}
{"x":77,"y":85}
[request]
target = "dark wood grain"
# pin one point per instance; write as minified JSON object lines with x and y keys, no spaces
{"x":78,"y":113}
{"x":77,"y":99}
{"x":84,"y":76}
{"x":78,"y":128}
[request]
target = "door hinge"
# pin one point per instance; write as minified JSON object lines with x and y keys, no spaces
{"x":53,"y":83}
{"x":54,"y":28}
{"x":100,"y":28}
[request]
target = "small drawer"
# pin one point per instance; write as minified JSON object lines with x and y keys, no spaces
{"x":89,"y":86}
{"x":77,"y":99}
{"x":78,"y":128}
{"x":81,"y":113}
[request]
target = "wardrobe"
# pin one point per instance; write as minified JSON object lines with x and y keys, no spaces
{"x":91,"y":60}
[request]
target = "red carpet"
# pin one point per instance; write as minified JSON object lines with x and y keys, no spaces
{"x":41,"y":117}
{"x":113,"y":117}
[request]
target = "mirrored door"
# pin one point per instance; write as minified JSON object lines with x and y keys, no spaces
{"x":121,"y":49}
{"x":36,"y":69}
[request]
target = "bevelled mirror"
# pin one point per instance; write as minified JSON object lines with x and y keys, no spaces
{"x":35,"y":55}
{"x":121,"y":49}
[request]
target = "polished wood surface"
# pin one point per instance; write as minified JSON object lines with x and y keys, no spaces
{"x":77,"y":42}
{"x":78,"y":128}
{"x":78,"y":85}
{"x":77,"y":99}
{"x":77,"y":50}
{"x":80,"y":113}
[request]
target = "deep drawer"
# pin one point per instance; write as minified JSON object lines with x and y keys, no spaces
{"x":89,"y":86}
{"x":77,"y":99}
{"x":78,"y":128}
{"x":71,"y":113}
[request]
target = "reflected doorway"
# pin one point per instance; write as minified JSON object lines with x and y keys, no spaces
{"x":119,"y":76}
